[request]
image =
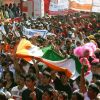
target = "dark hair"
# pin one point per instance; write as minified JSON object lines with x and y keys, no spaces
{"x":97,"y":35}
{"x":97,"y":76}
{"x":3,"y":97}
{"x":97,"y":53}
{"x":78,"y":42}
{"x":22,"y":76}
{"x":11,"y":75}
{"x":87,"y":83}
{"x":79,"y":95}
{"x":64,"y":94}
{"x":47,"y":74}
{"x":61,"y":73}
{"x":1,"y":81}
{"x":68,"y":40}
{"x":23,"y":62}
{"x":49,"y":91}
{"x":5,"y":63}
{"x":31,"y":76}
{"x":97,"y":83}
{"x":94,"y":63}
{"x":3,"y":55}
{"x":98,"y":65}
{"x":94,"y":87}
{"x":47,"y":69}
{"x":33,"y":68}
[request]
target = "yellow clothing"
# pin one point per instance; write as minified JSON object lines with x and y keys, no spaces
{"x":1,"y":15}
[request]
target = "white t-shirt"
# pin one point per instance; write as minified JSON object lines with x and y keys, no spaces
{"x":5,"y":92}
{"x":16,"y":93}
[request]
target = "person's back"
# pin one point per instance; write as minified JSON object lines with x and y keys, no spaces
{"x":11,"y":15}
{"x":6,"y":14}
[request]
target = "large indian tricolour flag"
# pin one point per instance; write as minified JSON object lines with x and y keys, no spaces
{"x":71,"y":66}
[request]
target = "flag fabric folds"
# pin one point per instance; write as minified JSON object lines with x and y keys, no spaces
{"x":71,"y":66}
{"x":34,"y":32}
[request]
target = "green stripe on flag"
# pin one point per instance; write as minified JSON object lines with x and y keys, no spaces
{"x":77,"y":63}
{"x":50,"y":54}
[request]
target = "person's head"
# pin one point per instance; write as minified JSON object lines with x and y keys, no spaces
{"x":97,"y":37}
{"x":62,"y":96}
{"x":30,"y":81}
{"x":98,"y":83}
{"x":70,"y":51}
{"x":9,"y":76}
{"x":23,"y":62}
{"x":20,"y":79}
{"x":54,"y":74}
{"x":97,"y":53}
{"x":63,"y":77}
{"x":47,"y":94}
{"x":10,"y":6}
{"x":73,"y":41}
{"x":93,"y":91}
{"x":68,"y":42}
{"x":78,"y":43}
{"x":46,"y":78}
{"x":14,"y":5}
{"x":10,"y":35}
{"x":77,"y":96}
{"x":32,"y":70}
{"x":95,"y":68}
{"x":86,"y":40}
{"x":95,"y":77}
{"x":2,"y":59}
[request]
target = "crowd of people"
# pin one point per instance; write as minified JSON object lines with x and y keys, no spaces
{"x":20,"y":80}
{"x":10,"y":11}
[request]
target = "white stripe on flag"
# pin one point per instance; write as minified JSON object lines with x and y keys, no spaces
{"x":66,"y":63}
{"x":35,"y":51}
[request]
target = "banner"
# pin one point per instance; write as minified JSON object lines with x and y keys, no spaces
{"x":61,"y":7}
{"x":85,"y":5}
{"x":58,"y":7}
{"x":33,"y":32}
{"x":38,"y":8}
{"x":81,"y":5}
{"x":96,"y":2}
{"x":96,"y":6}
{"x":9,"y":1}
